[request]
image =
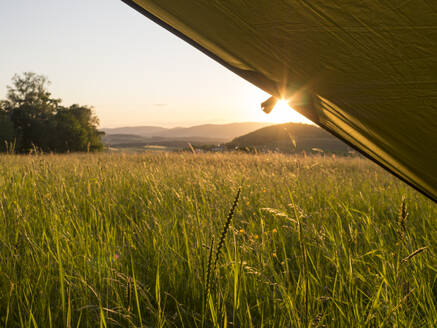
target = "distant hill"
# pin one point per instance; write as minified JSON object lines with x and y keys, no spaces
{"x":145,"y":131}
{"x":116,"y":139}
{"x":290,"y":138}
{"x":223,"y":132}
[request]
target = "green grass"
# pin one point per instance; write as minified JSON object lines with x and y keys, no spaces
{"x":124,"y":240}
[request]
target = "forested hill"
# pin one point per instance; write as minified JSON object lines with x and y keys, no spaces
{"x":290,"y":138}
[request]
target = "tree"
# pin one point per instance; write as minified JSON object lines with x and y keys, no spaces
{"x":39,"y":121}
{"x":7,"y":132}
{"x":76,"y":130}
{"x":30,"y":90}
{"x":30,"y":107}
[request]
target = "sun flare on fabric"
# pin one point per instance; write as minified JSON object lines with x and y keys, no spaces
{"x":283,"y":113}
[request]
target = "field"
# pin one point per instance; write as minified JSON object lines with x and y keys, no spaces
{"x":124,"y":240}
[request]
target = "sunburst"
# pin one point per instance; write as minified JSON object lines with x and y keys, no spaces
{"x":283,"y":113}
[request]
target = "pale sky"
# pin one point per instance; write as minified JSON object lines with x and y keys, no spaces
{"x":104,"y":54}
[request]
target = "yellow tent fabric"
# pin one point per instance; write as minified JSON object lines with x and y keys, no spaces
{"x":364,"y":70}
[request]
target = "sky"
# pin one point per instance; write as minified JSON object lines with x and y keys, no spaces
{"x":133,"y":72}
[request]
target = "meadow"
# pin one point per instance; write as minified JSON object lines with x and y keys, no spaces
{"x":134,"y":240}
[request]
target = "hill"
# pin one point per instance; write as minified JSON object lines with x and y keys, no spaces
{"x":225,"y":132}
{"x":291,"y":137}
{"x":144,"y":131}
{"x":117,"y":139}
{"x":215,"y":131}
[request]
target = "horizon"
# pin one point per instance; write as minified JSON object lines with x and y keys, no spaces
{"x":197,"y":125}
{"x":149,"y":77}
{"x":188,"y":125}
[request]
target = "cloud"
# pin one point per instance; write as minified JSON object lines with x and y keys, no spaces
{"x":160,"y":105}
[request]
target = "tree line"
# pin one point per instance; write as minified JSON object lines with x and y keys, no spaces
{"x":32,"y":120}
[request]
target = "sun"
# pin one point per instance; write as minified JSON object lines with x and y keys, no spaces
{"x":283,"y":113}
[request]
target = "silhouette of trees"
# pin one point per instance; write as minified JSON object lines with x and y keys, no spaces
{"x":30,"y":118}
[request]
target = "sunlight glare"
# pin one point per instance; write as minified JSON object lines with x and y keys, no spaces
{"x":283,"y":113}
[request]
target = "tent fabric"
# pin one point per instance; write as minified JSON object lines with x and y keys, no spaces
{"x":364,"y":70}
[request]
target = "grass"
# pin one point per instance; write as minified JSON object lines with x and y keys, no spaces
{"x":125,"y":240}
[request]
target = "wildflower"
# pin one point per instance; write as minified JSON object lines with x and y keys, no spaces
{"x":116,"y":256}
{"x":274,"y":230}
{"x":255,"y":236}
{"x":241,"y":230}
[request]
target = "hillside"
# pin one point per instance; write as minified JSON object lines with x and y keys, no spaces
{"x":144,"y":131}
{"x":116,"y":139}
{"x":225,"y":132}
{"x":291,"y":137}
{"x":215,"y":131}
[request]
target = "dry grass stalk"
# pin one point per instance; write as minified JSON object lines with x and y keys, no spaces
{"x":416,"y":252}
{"x":226,"y":227}
{"x":402,"y":219}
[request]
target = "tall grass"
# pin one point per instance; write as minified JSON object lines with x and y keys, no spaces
{"x":125,"y":240}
